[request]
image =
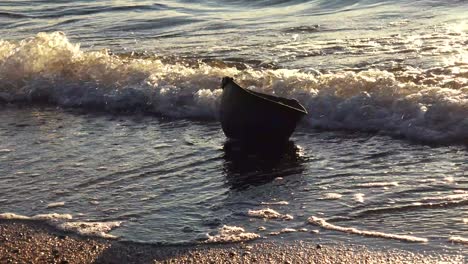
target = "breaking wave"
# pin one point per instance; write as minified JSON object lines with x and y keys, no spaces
{"x":425,"y":105}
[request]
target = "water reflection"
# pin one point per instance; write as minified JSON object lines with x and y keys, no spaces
{"x":247,"y":165}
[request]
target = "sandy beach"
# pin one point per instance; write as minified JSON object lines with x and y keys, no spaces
{"x":37,"y":242}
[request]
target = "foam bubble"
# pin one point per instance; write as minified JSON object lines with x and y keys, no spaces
{"x":57,"y":204}
{"x":359,"y":197}
{"x":288,"y":230}
{"x":275,"y":203}
{"x":458,"y":239}
{"x":14,"y":216}
{"x":323,"y":223}
{"x":449,"y":179}
{"x":332,"y":196}
{"x":96,"y":229}
{"x":378,"y":184}
{"x":283,"y":231}
{"x":228,"y":234}
{"x":60,"y":221}
{"x":53,"y":216}
{"x":5,"y":151}
{"x":269,"y":214}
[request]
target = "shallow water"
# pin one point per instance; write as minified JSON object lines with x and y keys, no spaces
{"x":174,"y":181}
{"x":380,"y":160}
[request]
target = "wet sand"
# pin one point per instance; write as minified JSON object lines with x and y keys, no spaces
{"x":25,"y":241}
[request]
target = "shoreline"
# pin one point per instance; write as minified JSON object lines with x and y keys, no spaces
{"x":30,"y":241}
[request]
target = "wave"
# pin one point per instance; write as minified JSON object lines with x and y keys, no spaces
{"x":351,"y":230}
{"x":63,"y":222}
{"x":48,"y":68}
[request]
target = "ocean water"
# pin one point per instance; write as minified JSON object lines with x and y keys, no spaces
{"x":109,"y":120}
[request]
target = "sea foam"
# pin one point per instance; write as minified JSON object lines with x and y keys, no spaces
{"x":63,"y":222}
{"x":229,"y":234}
{"x":268,"y":213}
{"x":51,"y":216}
{"x":324,"y":224}
{"x":458,"y":239}
{"x":56,"y":204}
{"x":414,"y":103}
{"x":331,"y":196}
{"x":275,"y":203}
{"x":378,"y":184}
{"x":97,"y":229}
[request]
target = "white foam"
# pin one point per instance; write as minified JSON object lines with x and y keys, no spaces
{"x":323,"y":223}
{"x":52,"y":216}
{"x":14,"y":216}
{"x":5,"y":150}
{"x":449,"y":179}
{"x":288,"y":230}
{"x":284,"y":231}
{"x":465,"y":220}
{"x":359,"y":197}
{"x":48,"y":67}
{"x":458,"y":239}
{"x":331,"y":196}
{"x":61,"y":221}
{"x":57,"y":204}
{"x":275,"y":203}
{"x":96,"y":229}
{"x":228,"y":234}
{"x":269,"y":214}
{"x":379,"y":184}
